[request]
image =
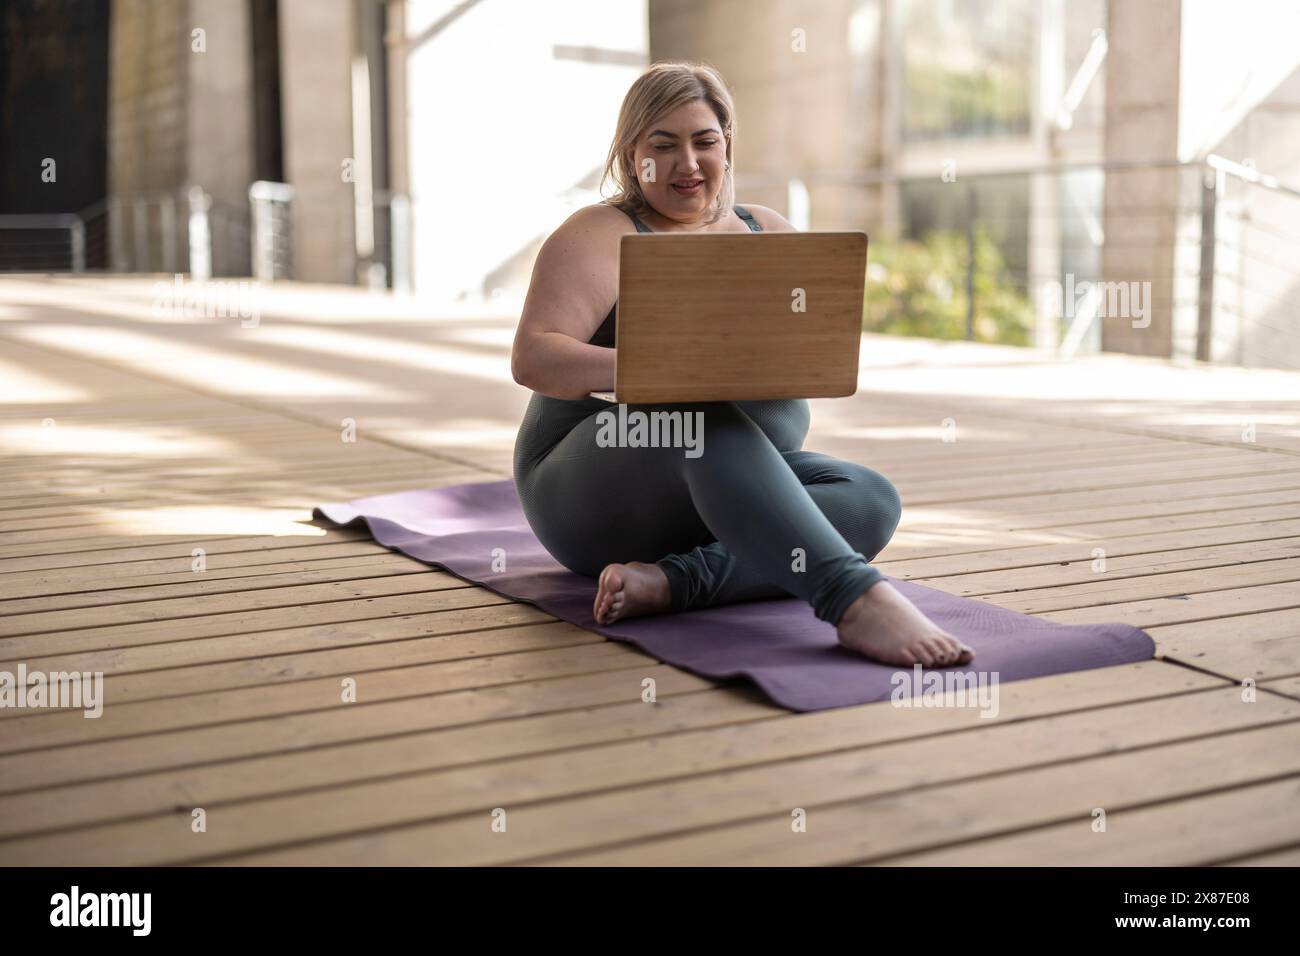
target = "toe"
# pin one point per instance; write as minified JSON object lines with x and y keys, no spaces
{"x":938,"y":653}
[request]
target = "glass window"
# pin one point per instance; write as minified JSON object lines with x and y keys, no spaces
{"x":968,"y":68}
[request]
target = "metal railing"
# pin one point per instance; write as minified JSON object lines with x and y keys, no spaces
{"x":1223,"y":242}
{"x":272,"y":250}
{"x":43,"y":242}
{"x":191,"y":231}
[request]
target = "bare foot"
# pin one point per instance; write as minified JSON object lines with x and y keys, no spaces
{"x":631,"y":590}
{"x":887,"y":627}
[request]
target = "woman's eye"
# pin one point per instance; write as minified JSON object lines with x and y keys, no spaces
{"x":662,"y":148}
{"x":707,"y":144}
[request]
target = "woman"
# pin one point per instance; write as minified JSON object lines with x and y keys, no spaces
{"x":754,"y":516}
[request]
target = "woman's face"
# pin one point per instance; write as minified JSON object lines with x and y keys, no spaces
{"x":680,"y":161}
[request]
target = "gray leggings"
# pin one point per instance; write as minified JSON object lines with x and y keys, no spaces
{"x":752,"y":517}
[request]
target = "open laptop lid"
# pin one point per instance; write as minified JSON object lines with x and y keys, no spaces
{"x":733,"y":316}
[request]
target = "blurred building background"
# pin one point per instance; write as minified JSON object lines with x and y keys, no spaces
{"x":1001,"y":154}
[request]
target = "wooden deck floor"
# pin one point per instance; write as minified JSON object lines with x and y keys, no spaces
{"x":131,"y":439}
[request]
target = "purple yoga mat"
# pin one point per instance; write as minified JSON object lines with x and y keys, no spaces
{"x":778,"y":644}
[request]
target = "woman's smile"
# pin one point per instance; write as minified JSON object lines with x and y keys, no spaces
{"x":687,"y":187}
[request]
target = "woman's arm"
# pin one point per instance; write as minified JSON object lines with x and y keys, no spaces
{"x":574,"y":285}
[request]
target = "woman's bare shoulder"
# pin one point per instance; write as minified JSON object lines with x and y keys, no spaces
{"x":769,"y":219}
{"x":595,"y":221}
{"x":587,"y":236}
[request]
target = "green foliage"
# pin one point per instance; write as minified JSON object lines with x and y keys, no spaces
{"x":947,"y":103}
{"x":919,"y":288}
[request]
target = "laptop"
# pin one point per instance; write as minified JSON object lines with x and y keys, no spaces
{"x":738,"y":316}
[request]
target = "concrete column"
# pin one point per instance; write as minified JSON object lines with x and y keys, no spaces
{"x":147,"y":132}
{"x":1141,"y":205}
{"x":219,"y":148}
{"x":796,"y":71}
{"x":317,"y":43}
{"x":395,"y":43}
{"x":1045,"y":190}
{"x":220,"y":114}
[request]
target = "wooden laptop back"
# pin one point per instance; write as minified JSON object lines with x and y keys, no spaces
{"x":717,"y":317}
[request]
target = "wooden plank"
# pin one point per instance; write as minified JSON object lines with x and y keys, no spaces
{"x":254,"y":467}
{"x":180,"y":608}
{"x":1197,"y":607}
{"x":1288,"y":857}
{"x":640,"y":759}
{"x":443,"y":594}
{"x":961,"y":549}
{"x":1173,"y":585}
{"x":177,"y":667}
{"x":479,"y":700}
{"x":1288,"y":687}
{"x":149,"y":545}
{"x":934,"y":450}
{"x":1140,"y":501}
{"x":944,"y":489}
{"x":986,"y":569}
{"x":1043,"y":579}
{"x":1067,"y":460}
{"x":382,"y":564}
{"x":283,"y":491}
{"x":426,"y":817}
{"x":115,"y":494}
{"x":176,"y":568}
{"x":1120,"y":509}
{"x":32,"y":734}
{"x":924,"y":460}
{"x":218,"y":473}
{"x":1196,"y":831}
{"x":416,"y":749}
{"x":886,"y":828}
{"x":67,"y":477}
{"x":1159,"y":417}
{"x":1259,"y":646}
{"x":294,"y":732}
{"x":1185,"y":521}
{"x":117,"y":551}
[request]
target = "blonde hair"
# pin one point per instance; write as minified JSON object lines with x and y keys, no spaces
{"x":658,"y":91}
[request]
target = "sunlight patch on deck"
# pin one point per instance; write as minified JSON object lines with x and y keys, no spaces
{"x":210,"y":520}
{"x":460,"y":433}
{"x":202,"y":366}
{"x":934,"y":432}
{"x":1102,"y":381}
{"x":60,"y":438}
{"x":23,"y":386}
{"x":416,"y":355}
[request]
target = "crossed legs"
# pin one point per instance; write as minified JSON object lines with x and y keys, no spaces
{"x":742,"y":521}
